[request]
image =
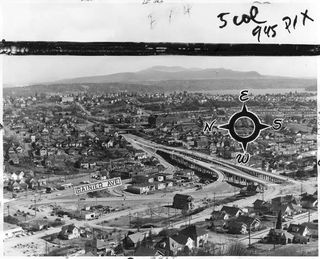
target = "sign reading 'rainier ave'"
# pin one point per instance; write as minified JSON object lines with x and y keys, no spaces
{"x":97,"y":186}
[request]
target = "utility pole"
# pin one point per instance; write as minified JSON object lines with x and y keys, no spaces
{"x":35,"y":205}
{"x":249,"y":236}
{"x":309,"y":215}
{"x":168,"y":216}
{"x":47,"y":251}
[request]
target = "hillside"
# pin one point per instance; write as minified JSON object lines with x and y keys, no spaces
{"x":165,"y":79}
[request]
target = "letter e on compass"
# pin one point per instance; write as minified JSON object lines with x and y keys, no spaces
{"x":243,"y":96}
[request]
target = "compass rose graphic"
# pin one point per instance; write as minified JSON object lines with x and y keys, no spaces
{"x":258,"y":126}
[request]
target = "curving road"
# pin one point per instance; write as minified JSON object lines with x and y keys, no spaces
{"x":210,"y":166}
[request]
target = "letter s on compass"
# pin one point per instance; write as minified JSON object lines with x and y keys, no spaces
{"x":277,"y":124}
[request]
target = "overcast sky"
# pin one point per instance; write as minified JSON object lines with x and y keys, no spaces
{"x":22,"y":70}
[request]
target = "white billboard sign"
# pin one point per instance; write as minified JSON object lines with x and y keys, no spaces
{"x":97,"y":186}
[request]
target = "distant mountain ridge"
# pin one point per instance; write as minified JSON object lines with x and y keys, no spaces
{"x":165,"y":79}
{"x":160,"y":73}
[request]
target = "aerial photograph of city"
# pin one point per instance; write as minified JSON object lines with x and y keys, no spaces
{"x":160,"y":156}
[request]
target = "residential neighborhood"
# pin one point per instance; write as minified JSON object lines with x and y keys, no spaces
{"x":102,"y":171}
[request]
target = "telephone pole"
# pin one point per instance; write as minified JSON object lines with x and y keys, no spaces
{"x":35,"y":205}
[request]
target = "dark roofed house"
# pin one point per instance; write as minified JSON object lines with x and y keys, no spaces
{"x":232,"y":211}
{"x":312,"y":227}
{"x":279,"y":236}
{"x":252,"y":222}
{"x":301,"y":230}
{"x":261,"y":206}
{"x":219,"y":218}
{"x":132,"y":240}
{"x":219,"y":215}
{"x":183,"y":202}
{"x":98,"y":247}
{"x":237,"y":227}
{"x":286,"y":209}
{"x":309,"y":202}
{"x":285,"y":199}
{"x":146,"y":251}
{"x":171,"y":245}
{"x":69,"y":232}
{"x":197,"y":234}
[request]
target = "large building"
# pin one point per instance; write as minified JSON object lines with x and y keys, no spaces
{"x":183,"y":202}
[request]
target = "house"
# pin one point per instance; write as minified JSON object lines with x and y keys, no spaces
{"x":279,"y":236}
{"x":301,"y":230}
{"x":39,"y":225}
{"x":171,"y":245}
{"x":104,"y":174}
{"x":142,"y":179}
{"x":309,"y":202}
{"x":42,"y":182}
{"x":109,"y":144}
{"x":169,"y":184}
{"x":132,"y":240}
{"x":261,"y":206}
{"x":284,"y":199}
{"x":32,"y":183}
{"x":146,"y":251}
{"x":249,"y":190}
{"x":98,"y":247}
{"x":20,"y":176}
{"x":286,"y":209}
{"x":14,"y":159}
{"x":84,"y":165}
{"x":49,"y":162}
{"x":312,"y":227}
{"x":219,"y":215}
{"x":252,"y":222}
{"x":45,"y":131}
{"x":19,"y":149}
{"x":43,"y":151}
{"x":183,"y":202}
{"x":237,"y":227}
{"x":14,"y":186}
{"x":67,"y":99}
{"x":139,"y":154}
{"x":232,"y":211}
{"x":198,"y":235}
{"x":92,"y":164}
{"x":11,"y":151}
{"x":69,"y":232}
{"x":139,"y":188}
{"x":160,"y":185}
{"x":14,"y":177}
{"x":88,"y":215}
